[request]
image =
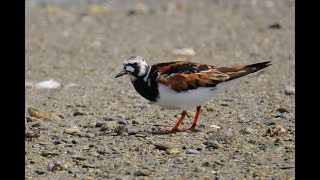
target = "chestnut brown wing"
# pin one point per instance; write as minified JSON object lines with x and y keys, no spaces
{"x":183,"y":76}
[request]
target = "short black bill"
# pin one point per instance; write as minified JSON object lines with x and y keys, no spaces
{"x":123,"y":72}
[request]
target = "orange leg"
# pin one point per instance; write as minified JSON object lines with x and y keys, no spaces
{"x":192,"y":128}
{"x":175,"y":128}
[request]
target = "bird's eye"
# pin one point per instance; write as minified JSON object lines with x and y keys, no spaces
{"x":135,"y":63}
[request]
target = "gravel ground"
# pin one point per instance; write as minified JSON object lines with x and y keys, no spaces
{"x":93,"y":126}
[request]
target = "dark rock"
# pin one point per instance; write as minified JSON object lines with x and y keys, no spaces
{"x":275,"y":26}
{"x":282,"y":110}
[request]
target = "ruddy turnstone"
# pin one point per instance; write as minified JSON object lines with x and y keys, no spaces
{"x":182,"y":85}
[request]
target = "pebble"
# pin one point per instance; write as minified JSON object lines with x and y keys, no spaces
{"x":100,"y":124}
{"x":56,"y":166}
{"x":72,"y":131}
{"x":37,"y":113}
{"x":89,"y":135}
{"x":247,"y":130}
{"x":49,"y":153}
{"x":275,"y":26}
{"x":192,"y":151}
{"x":121,"y":130}
{"x":163,"y":146}
{"x":122,"y":122}
{"x":78,"y":156}
{"x":210,"y":109}
{"x":135,"y":122}
{"x":75,"y":172}
{"x":184,"y":52}
{"x":207,"y":164}
{"x":269,"y":122}
{"x":282,"y":110}
{"x":95,"y":9}
{"x":173,"y":151}
{"x":108,"y":126}
{"x":28,"y":84}
{"x":199,"y":169}
{"x":289,"y":90}
{"x":142,"y":173}
{"x":49,"y":84}
{"x":36,"y":146}
{"x":108,"y":134}
{"x":139,"y":9}
{"x":212,"y":143}
{"x":78,"y":112}
{"x":222,"y":134}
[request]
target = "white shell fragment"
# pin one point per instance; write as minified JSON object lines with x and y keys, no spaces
{"x":49,"y":84}
{"x":184,"y":52}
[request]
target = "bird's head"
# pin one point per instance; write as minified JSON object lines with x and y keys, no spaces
{"x":136,"y":67}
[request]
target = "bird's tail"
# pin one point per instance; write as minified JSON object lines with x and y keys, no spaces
{"x":240,"y":71}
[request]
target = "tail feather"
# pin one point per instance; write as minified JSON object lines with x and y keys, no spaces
{"x":248,"y":69}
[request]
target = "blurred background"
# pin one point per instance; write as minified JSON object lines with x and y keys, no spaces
{"x":74,"y":49}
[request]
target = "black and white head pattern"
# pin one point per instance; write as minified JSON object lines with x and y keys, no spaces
{"x":136,"y":67}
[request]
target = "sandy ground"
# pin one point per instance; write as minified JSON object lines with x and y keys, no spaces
{"x":100,"y":128}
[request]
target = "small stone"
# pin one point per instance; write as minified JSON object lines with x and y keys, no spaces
{"x":120,"y":130}
{"x":28,"y":84}
{"x":78,"y":112}
{"x":199,"y":169}
{"x":214,"y":126}
{"x":49,"y":153}
{"x":162,"y":146}
{"x":139,"y":9}
{"x":49,"y":84}
{"x":207,"y":164}
{"x":222,"y":135}
{"x":212,"y":143}
{"x":282,"y":110}
{"x":90,"y":135}
{"x":192,"y":151}
{"x":184,"y":52}
{"x":95,"y":9}
{"x":110,"y":125}
{"x":32,"y":134}
{"x":173,"y":151}
{"x":28,"y":119}
{"x":100,"y":124}
{"x":269,"y":122}
{"x":40,"y":172}
{"x":247,"y":130}
{"x":142,"y":173}
{"x":37,"y":113}
{"x":72,"y":131}
{"x":276,"y":131}
{"x":56,"y":166}
{"x":75,"y":172}
{"x":39,"y":139}
{"x":93,"y":153}
{"x":289,"y":90}
{"x":78,"y":156}
{"x":36,"y":146}
{"x":135,"y":122}
{"x":122,"y":122}
{"x":210,"y":109}
{"x":275,"y":26}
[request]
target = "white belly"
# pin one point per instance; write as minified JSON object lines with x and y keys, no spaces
{"x":189,"y":100}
